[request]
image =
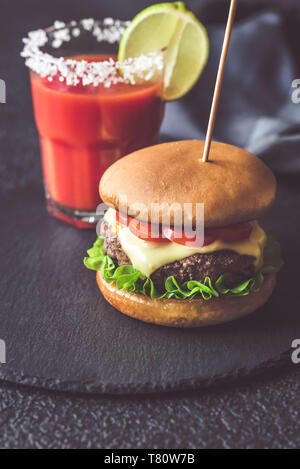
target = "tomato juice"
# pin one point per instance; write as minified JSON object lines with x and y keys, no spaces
{"x":84,"y":129}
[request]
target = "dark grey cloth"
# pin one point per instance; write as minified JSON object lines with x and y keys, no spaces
{"x":256,"y":112}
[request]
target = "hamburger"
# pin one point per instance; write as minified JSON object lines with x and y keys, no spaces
{"x":164,"y":274}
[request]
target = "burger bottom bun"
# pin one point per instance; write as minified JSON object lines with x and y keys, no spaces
{"x":186,"y":313}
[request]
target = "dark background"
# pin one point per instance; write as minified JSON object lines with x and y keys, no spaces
{"x":264,"y":59}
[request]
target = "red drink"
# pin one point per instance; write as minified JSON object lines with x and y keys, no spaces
{"x":84,"y":129}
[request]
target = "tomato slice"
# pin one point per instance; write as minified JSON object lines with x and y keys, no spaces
{"x":234,"y":233}
{"x":229,"y":234}
{"x":176,"y":235}
{"x":162,"y":234}
{"x":142,"y":230}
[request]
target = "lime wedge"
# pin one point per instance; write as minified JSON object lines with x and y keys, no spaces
{"x":171,"y":26}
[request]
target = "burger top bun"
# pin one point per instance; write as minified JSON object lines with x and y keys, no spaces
{"x":234,"y":185}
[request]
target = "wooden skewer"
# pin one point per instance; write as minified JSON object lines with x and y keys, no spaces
{"x":215,"y":102}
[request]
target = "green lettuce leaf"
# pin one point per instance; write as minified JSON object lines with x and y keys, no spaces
{"x":127,"y":277}
{"x":272,"y":258}
{"x":96,"y":256}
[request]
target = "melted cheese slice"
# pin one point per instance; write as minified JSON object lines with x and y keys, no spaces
{"x":149,"y":256}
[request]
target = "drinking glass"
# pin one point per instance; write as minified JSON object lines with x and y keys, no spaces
{"x":90,"y":109}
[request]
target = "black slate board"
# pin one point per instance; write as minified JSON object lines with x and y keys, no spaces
{"x":61,"y":334}
{"x":59,"y":331}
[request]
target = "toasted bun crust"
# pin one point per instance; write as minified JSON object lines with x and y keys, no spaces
{"x":234,"y":185}
{"x":186,"y":313}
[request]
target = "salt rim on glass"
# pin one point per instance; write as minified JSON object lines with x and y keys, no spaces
{"x":73,"y":72}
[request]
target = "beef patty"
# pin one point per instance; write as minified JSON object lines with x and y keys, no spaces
{"x":195,"y":267}
{"x":111,"y":245}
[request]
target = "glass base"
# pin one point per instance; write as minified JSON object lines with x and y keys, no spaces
{"x":78,"y":218}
